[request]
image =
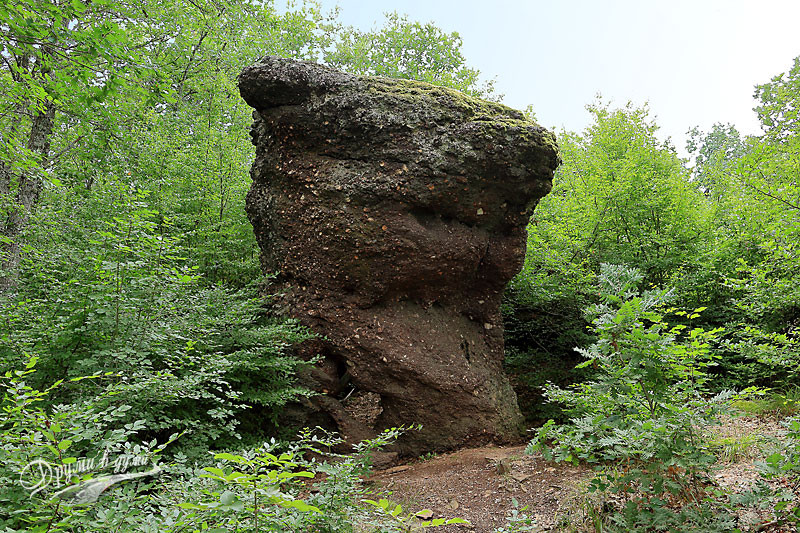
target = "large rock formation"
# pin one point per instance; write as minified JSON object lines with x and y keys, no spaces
{"x":394,"y":213}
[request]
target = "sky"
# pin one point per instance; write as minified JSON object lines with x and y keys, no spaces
{"x":694,"y":62}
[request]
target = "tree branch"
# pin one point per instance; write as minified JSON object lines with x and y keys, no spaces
{"x":769,"y":194}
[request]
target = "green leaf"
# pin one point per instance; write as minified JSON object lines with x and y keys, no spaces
{"x":301,"y":506}
{"x":227,"y":498}
{"x":193,"y":506}
{"x":78,"y":6}
{"x":233,"y":476}
{"x":231,"y":457}
{"x":218,"y":472}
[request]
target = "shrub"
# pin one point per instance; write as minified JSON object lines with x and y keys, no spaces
{"x":643,"y":409}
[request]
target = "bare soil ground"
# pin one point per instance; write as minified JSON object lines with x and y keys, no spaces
{"x":481,"y":484}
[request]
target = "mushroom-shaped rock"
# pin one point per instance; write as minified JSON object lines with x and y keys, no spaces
{"x":394,"y":214}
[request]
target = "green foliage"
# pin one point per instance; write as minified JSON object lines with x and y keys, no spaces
{"x":45,"y":449}
{"x":189,"y":356}
{"x":409,"y":50}
{"x":714,"y":154}
{"x":533,"y":369}
{"x":780,"y":405}
{"x":54,"y":462}
{"x":259,"y":488}
{"x":643,"y":408}
{"x":620,"y":196}
{"x":623,"y":195}
{"x":753,"y":269}
{"x":67,"y":54}
{"x":723,"y":236}
{"x":647,"y":380}
{"x":787,"y":459}
{"x":732,"y":449}
{"x":782,"y":467}
{"x":258,"y":478}
{"x":779,"y":103}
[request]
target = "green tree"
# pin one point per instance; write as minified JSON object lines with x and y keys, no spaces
{"x":752,"y":271}
{"x":629,"y":197}
{"x":779,"y":104}
{"x":714,"y":153}
{"x":409,"y":50}
{"x":58,"y":56}
{"x":620,"y":195}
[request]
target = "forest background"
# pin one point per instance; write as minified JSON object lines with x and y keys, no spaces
{"x":127,"y":256}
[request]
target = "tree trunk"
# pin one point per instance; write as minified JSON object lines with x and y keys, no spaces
{"x":28,"y":187}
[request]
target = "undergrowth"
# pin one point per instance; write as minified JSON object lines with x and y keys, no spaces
{"x":640,"y":421}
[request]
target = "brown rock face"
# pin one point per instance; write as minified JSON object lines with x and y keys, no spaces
{"x":394,"y":213}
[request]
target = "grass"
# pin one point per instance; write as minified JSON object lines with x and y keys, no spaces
{"x":733,"y":448}
{"x":773,"y":403}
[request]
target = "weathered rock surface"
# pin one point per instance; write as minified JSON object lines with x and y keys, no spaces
{"x":394,"y":212}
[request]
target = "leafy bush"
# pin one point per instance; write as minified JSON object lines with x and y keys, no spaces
{"x":45,"y":448}
{"x":54,"y":460}
{"x":187,"y":356}
{"x":643,"y":409}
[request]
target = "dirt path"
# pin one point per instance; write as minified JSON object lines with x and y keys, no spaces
{"x":479,"y":484}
